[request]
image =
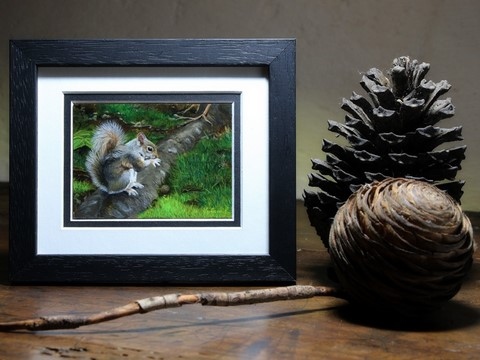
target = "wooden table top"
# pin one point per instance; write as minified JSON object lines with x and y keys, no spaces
{"x":326,"y":328}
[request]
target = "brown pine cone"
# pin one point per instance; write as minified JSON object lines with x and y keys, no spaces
{"x":401,"y":245}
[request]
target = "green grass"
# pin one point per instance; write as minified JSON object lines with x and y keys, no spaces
{"x":80,"y":189}
{"x":139,"y":114}
{"x":177,"y":206}
{"x":200,"y":183}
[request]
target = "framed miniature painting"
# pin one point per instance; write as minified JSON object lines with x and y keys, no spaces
{"x":152,"y":161}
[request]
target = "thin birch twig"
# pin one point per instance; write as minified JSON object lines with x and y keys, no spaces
{"x":170,"y":301}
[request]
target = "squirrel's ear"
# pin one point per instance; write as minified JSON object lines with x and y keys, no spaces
{"x":141,"y":137}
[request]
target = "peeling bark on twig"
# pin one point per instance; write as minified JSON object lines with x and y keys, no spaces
{"x":170,"y":301}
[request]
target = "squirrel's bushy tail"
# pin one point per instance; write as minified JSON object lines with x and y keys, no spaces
{"x":106,"y":138}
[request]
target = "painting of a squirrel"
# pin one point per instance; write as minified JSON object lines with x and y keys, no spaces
{"x":113,"y":163}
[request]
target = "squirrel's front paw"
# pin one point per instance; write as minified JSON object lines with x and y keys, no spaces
{"x":156,"y":162}
{"x":137,"y":185}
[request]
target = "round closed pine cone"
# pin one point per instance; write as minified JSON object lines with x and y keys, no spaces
{"x":402,"y":246}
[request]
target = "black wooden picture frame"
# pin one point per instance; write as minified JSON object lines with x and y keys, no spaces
{"x":276,"y":56}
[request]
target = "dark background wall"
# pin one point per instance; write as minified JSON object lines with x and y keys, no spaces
{"x":336,"y":41}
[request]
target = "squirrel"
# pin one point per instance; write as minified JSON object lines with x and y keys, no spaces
{"x":113,"y":163}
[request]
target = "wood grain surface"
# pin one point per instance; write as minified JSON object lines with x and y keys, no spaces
{"x":315,"y":328}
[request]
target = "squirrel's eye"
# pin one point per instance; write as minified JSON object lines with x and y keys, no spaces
{"x":149,"y":148}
